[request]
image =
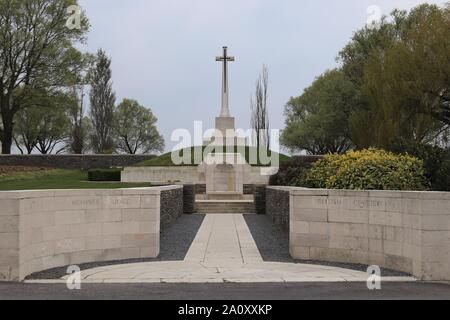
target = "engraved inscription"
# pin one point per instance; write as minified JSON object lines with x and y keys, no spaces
{"x":120,"y":201}
{"x":85,"y":202}
{"x":332,"y":202}
{"x":358,"y":204}
{"x":368,"y":203}
{"x":394,"y":205}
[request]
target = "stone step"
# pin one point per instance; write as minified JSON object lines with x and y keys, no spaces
{"x":209,"y":206}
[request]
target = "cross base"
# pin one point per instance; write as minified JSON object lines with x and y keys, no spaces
{"x":225,"y":123}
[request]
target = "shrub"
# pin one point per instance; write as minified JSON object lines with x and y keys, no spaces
{"x":291,"y":173}
{"x":436,"y":162}
{"x":104,"y":174}
{"x":370,"y":169}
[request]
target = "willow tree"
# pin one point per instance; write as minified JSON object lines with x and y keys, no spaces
{"x":407,"y":86}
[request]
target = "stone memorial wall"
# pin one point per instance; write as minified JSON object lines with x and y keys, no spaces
{"x":40,"y":230}
{"x":404,"y":231}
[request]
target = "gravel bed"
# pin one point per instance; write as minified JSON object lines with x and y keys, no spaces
{"x":271,"y":240}
{"x":175,"y":242}
{"x":273,"y":244}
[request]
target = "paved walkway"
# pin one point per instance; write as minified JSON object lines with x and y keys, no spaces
{"x":224,"y":239}
{"x":222,"y":251}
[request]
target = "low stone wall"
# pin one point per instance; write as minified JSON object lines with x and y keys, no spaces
{"x":404,"y":231}
{"x":73,"y":161}
{"x":180,"y":174}
{"x":184,"y":175}
{"x":277,"y":205}
{"x":171,"y":206}
{"x":248,"y":188}
{"x":40,"y":230}
{"x":260,"y":199}
{"x":189,"y":198}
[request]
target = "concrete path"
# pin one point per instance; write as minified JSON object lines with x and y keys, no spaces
{"x":223,"y":251}
{"x":224,"y":239}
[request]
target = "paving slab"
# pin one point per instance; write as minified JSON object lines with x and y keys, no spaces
{"x":196,"y":272}
{"x":223,"y":251}
{"x":224,"y":237}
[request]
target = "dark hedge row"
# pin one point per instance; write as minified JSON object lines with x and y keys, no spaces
{"x":104,"y":174}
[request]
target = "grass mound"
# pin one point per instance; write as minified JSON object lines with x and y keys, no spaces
{"x":165,"y":160}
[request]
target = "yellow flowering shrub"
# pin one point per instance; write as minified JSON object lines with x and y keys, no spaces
{"x":370,"y":169}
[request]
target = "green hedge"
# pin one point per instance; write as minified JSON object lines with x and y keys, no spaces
{"x":104,"y":174}
{"x":436,"y":162}
{"x":291,"y":173}
{"x":370,"y":169}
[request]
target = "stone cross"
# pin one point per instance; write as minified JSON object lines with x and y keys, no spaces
{"x":225,"y":59}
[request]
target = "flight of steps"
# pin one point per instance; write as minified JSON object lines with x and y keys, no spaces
{"x":225,"y":206}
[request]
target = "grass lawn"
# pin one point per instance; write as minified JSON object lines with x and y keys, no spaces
{"x":58,"y":179}
{"x":166,"y":159}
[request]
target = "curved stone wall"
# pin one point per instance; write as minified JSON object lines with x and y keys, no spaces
{"x":404,"y":231}
{"x":40,"y":230}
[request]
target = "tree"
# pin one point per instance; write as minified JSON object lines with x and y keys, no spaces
{"x":37,"y":52}
{"x":401,"y":70}
{"x":368,"y":42}
{"x":26,"y":132}
{"x":317,"y":121}
{"x":52,"y":131}
{"x":102,"y":100}
{"x":366,"y":45}
{"x":80,"y":125}
{"x":260,"y":115}
{"x":407,"y":85}
{"x":136,"y":129}
{"x":44,"y":128}
{"x":422,"y":62}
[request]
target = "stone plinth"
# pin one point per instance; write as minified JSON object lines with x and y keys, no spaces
{"x":224,"y":173}
{"x":225,"y":123}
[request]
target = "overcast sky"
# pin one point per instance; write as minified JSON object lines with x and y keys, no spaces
{"x":163,"y":51}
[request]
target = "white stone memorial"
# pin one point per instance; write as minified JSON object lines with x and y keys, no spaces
{"x":224,"y":168}
{"x":225,"y":134}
